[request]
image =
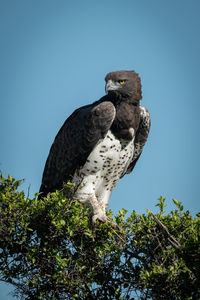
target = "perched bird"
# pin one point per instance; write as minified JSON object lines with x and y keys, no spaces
{"x":99,"y":143}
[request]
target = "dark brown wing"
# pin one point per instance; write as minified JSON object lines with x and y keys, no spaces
{"x":140,"y":137}
{"x":74,"y":142}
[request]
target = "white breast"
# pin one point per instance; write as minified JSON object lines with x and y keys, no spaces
{"x":107,"y":162}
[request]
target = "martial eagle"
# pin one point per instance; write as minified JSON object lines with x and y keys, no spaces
{"x":99,"y":143}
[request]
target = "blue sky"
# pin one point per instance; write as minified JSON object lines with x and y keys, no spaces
{"x":54,"y":56}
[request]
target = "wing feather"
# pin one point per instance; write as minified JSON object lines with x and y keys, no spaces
{"x":140,"y":137}
{"x":74,"y":142}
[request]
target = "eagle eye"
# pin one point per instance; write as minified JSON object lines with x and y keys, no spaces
{"x":121,"y":81}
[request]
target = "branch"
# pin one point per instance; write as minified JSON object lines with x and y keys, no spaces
{"x":171,"y":239}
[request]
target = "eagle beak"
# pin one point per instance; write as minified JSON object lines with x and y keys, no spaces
{"x":112,"y":86}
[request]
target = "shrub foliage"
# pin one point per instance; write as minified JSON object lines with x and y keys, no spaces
{"x":49,"y":249}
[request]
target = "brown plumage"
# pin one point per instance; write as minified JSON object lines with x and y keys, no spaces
{"x":110,"y":133}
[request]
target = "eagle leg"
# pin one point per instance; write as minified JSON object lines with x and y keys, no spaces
{"x":99,"y":211}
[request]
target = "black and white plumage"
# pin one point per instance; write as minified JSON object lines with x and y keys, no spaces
{"x":99,"y":143}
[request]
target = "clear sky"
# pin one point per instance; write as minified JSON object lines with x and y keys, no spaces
{"x":54,"y":56}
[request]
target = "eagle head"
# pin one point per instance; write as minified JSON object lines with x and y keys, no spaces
{"x":124,"y":83}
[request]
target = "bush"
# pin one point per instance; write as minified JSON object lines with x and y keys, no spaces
{"x":49,"y":249}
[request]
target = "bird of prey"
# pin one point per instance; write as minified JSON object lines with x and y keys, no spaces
{"x":99,"y":143}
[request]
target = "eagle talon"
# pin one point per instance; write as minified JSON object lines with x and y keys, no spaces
{"x":103,"y":219}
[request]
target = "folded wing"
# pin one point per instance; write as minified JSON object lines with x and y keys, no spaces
{"x":140,"y":137}
{"x":74,"y":142}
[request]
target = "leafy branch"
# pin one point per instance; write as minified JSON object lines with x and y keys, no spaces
{"x":49,"y":249}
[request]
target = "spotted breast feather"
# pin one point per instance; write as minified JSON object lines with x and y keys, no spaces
{"x":99,"y":175}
